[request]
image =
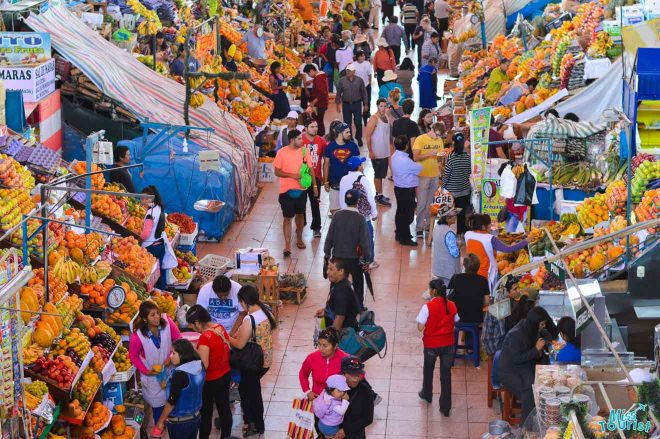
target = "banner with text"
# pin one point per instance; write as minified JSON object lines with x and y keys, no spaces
{"x":479,"y":128}
{"x":24,"y":48}
{"x":35,"y":82}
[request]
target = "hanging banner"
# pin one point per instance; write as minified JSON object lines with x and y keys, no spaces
{"x":34,"y":82}
{"x":24,"y":48}
{"x":479,"y":128}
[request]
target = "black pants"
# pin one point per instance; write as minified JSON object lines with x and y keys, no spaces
{"x":353,"y":114}
{"x":157,"y":250}
{"x":314,"y":204}
{"x":405,"y":212}
{"x":461,"y":202}
{"x":443,"y":26}
{"x":388,"y":11}
{"x":357,"y":277}
{"x":410,"y":30}
{"x":446,"y":355}
{"x":318,"y":117}
{"x":397,"y":53}
{"x":304,"y":97}
{"x":365,"y":114}
{"x":519,"y":383}
{"x":252,"y":404}
{"x":379,"y":77}
{"x":216,"y":392}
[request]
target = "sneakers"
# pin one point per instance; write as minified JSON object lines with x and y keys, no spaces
{"x":317,"y":233}
{"x":383,"y":200}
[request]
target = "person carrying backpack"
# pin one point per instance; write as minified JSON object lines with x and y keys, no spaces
{"x":366,"y":204}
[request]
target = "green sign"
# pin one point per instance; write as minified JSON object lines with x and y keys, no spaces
{"x":556,"y":267}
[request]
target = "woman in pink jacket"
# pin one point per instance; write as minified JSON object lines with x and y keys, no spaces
{"x":322,"y":363}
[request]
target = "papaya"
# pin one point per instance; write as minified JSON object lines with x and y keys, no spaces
{"x":42,"y":335}
{"x":597,"y":262}
{"x":49,"y":307}
{"x":614,"y":252}
{"x":77,"y":255}
{"x":520,"y":107}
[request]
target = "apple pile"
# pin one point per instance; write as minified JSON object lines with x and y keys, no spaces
{"x":182,"y":272}
{"x":61,"y":369}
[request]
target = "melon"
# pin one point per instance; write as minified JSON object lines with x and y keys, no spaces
{"x":597,"y":262}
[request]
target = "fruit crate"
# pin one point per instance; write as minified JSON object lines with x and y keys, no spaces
{"x":211,"y":266}
{"x":58,"y":393}
{"x":122,"y":377}
{"x":188,"y":239}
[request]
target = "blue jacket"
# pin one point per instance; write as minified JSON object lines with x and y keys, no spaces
{"x":190,"y":400}
{"x":427,"y":92}
{"x":385,"y":89}
{"x":569,"y":354}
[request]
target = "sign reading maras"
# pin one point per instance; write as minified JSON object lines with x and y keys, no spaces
{"x":24,"y":48}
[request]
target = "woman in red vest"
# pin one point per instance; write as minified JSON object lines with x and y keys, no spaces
{"x":436,"y":321}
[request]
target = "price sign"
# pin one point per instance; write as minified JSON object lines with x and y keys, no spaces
{"x":556,"y":267}
{"x":209,"y":161}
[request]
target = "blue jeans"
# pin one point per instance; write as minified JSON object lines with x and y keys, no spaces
{"x":328,"y":430}
{"x":156,"y":411}
{"x":373,"y":239}
{"x":184,"y":430}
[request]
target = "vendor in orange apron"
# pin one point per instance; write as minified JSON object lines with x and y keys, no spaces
{"x":485,"y":246}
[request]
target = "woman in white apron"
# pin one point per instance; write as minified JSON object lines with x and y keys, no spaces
{"x":152,"y":230}
{"x":150,"y":346}
{"x":485,"y":246}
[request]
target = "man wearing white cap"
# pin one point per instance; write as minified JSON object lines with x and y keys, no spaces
{"x":383,"y":60}
{"x":351,"y":99}
{"x":291,"y":124}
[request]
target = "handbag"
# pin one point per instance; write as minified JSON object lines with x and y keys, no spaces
{"x":251,"y":357}
{"x":369,"y":341}
{"x":525,"y":189}
{"x":169,"y":258}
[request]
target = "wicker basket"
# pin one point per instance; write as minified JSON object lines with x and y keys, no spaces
{"x":211,"y":266}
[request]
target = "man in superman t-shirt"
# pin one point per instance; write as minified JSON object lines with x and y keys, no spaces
{"x":335,"y":162}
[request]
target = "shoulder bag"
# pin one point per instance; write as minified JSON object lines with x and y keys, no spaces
{"x":251,"y":357}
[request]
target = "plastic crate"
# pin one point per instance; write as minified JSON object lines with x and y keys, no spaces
{"x":211,"y":266}
{"x":187,"y":239}
{"x":122,"y":377}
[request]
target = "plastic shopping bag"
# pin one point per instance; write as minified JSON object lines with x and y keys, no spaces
{"x":301,"y":420}
{"x":525,"y":189}
{"x":169,"y":259}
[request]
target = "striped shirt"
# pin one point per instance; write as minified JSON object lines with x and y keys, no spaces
{"x":456,"y":176}
{"x":409,"y":14}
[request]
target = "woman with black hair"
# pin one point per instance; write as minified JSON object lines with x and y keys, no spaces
{"x":213,"y":348}
{"x":184,"y":394}
{"x":153,"y":228}
{"x":425,"y":120}
{"x":522,"y":349}
{"x":405,"y":73}
{"x":258,"y":325}
{"x":456,"y":178}
{"x":149,"y":349}
{"x":570,"y":353}
{"x":436,"y":321}
{"x":278,"y":95}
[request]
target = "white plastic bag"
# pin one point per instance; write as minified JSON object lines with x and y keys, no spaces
{"x":507,"y":183}
{"x":169,"y":259}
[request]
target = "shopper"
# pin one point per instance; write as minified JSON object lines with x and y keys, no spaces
{"x":220,"y":299}
{"x":259,"y":323}
{"x":436,"y":321}
{"x":278,"y":95}
{"x":342,"y":307}
{"x":331,"y":405}
{"x":394,"y":112}
{"x":306,"y":89}
{"x":456,"y":178}
{"x":374,"y":13}
{"x":445,"y":260}
{"x":344,"y":55}
{"x":388,"y":9}
{"x":428,"y":84}
{"x":361,"y":397}
{"x":406,"y":126}
{"x":318,"y":97}
{"x":405,"y":174}
{"x":470,"y":291}
{"x":484,"y":245}
{"x":327,"y":52}
{"x":335,"y":164}
{"x":256,"y":41}
{"x":352,"y":95}
{"x":348,"y":238}
{"x":153,"y":229}
{"x":122,"y":157}
{"x":347,"y":16}
{"x":346,"y":38}
{"x":426,"y":150}
{"x":383,"y":60}
{"x":421,"y":35}
{"x":405,"y":73}
{"x":441,"y":11}
{"x":184,"y":394}
{"x":291,"y":124}
{"x":570,"y":353}
{"x":424,"y":120}
{"x":321,"y":363}
{"x":395,"y":36}
{"x":409,"y":19}
{"x":389,"y":84}
{"x":378,"y":134}
{"x":521,"y":350}
{"x":364,"y":71}
{"x":316,"y":145}
{"x":149,"y":348}
{"x":293,"y":198}
{"x":213,"y":349}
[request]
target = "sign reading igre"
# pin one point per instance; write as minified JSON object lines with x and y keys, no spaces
{"x":24,"y":48}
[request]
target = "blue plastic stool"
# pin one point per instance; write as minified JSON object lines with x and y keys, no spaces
{"x":471,"y":330}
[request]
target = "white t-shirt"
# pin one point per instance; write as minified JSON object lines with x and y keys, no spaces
{"x":423,"y":316}
{"x":363,"y":70}
{"x":223,"y":311}
{"x":441,"y":9}
{"x":344,"y":57}
{"x":154,"y":213}
{"x":259,"y":317}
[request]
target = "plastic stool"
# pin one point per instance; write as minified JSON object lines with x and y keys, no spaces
{"x":473,"y":330}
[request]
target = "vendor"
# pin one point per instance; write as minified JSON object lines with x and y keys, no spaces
{"x":278,"y":95}
{"x":179,"y":64}
{"x":153,"y":229}
{"x":497,"y":77}
{"x":230,"y":62}
{"x":570,"y":353}
{"x":122,"y":157}
{"x":256,"y":42}
{"x":511,"y":93}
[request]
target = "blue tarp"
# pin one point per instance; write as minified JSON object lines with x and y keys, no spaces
{"x":532,"y":10}
{"x":181,"y":183}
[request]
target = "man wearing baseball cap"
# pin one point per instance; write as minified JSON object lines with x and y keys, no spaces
{"x":291,"y":124}
{"x":335,"y":162}
{"x":360,"y":413}
{"x":351,"y":99}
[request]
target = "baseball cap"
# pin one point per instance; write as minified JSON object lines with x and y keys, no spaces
{"x":337,"y":382}
{"x":292,"y":115}
{"x":355,"y":162}
{"x":352,"y":364}
{"x":340,"y":128}
{"x":352,"y":196}
{"x":350,"y":67}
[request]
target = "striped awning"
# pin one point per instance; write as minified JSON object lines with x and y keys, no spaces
{"x":150,"y":95}
{"x":564,"y":129}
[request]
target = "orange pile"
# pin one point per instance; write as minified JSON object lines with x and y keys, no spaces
{"x":139,"y":262}
{"x":106,"y":206}
{"x":97,"y":292}
{"x":57,"y":288}
{"x":89,"y":244}
{"x":97,"y":416}
{"x":98,"y":182}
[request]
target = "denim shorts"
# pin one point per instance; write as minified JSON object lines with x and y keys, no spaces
{"x":328,"y":430}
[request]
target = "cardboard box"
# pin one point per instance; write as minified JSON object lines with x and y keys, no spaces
{"x":266,"y":172}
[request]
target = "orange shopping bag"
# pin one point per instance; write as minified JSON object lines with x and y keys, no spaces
{"x":301,"y":420}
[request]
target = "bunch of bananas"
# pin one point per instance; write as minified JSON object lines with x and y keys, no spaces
{"x":147,"y":27}
{"x":556,"y":230}
{"x":569,"y":218}
{"x":535,"y":235}
{"x":576,"y":174}
{"x":197,"y":100}
{"x":31,"y":353}
{"x":89,"y":274}
{"x":518,"y":170}
{"x":523,"y":258}
{"x":103,"y":268}
{"x":66,"y":270}
{"x":572,"y":229}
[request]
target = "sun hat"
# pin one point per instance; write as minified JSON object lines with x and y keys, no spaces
{"x":352,"y":365}
{"x":389,"y":76}
{"x":350,"y":67}
{"x":382,"y":42}
{"x":355,"y":162}
{"x":337,"y":382}
{"x":292,"y":115}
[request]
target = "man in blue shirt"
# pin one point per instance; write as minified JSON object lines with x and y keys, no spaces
{"x":177,"y":66}
{"x":256,"y":42}
{"x":405,"y":173}
{"x":335,"y":162}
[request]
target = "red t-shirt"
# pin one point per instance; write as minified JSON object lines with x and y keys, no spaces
{"x":218,"y":353}
{"x":320,"y":90}
{"x":315,"y":147}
